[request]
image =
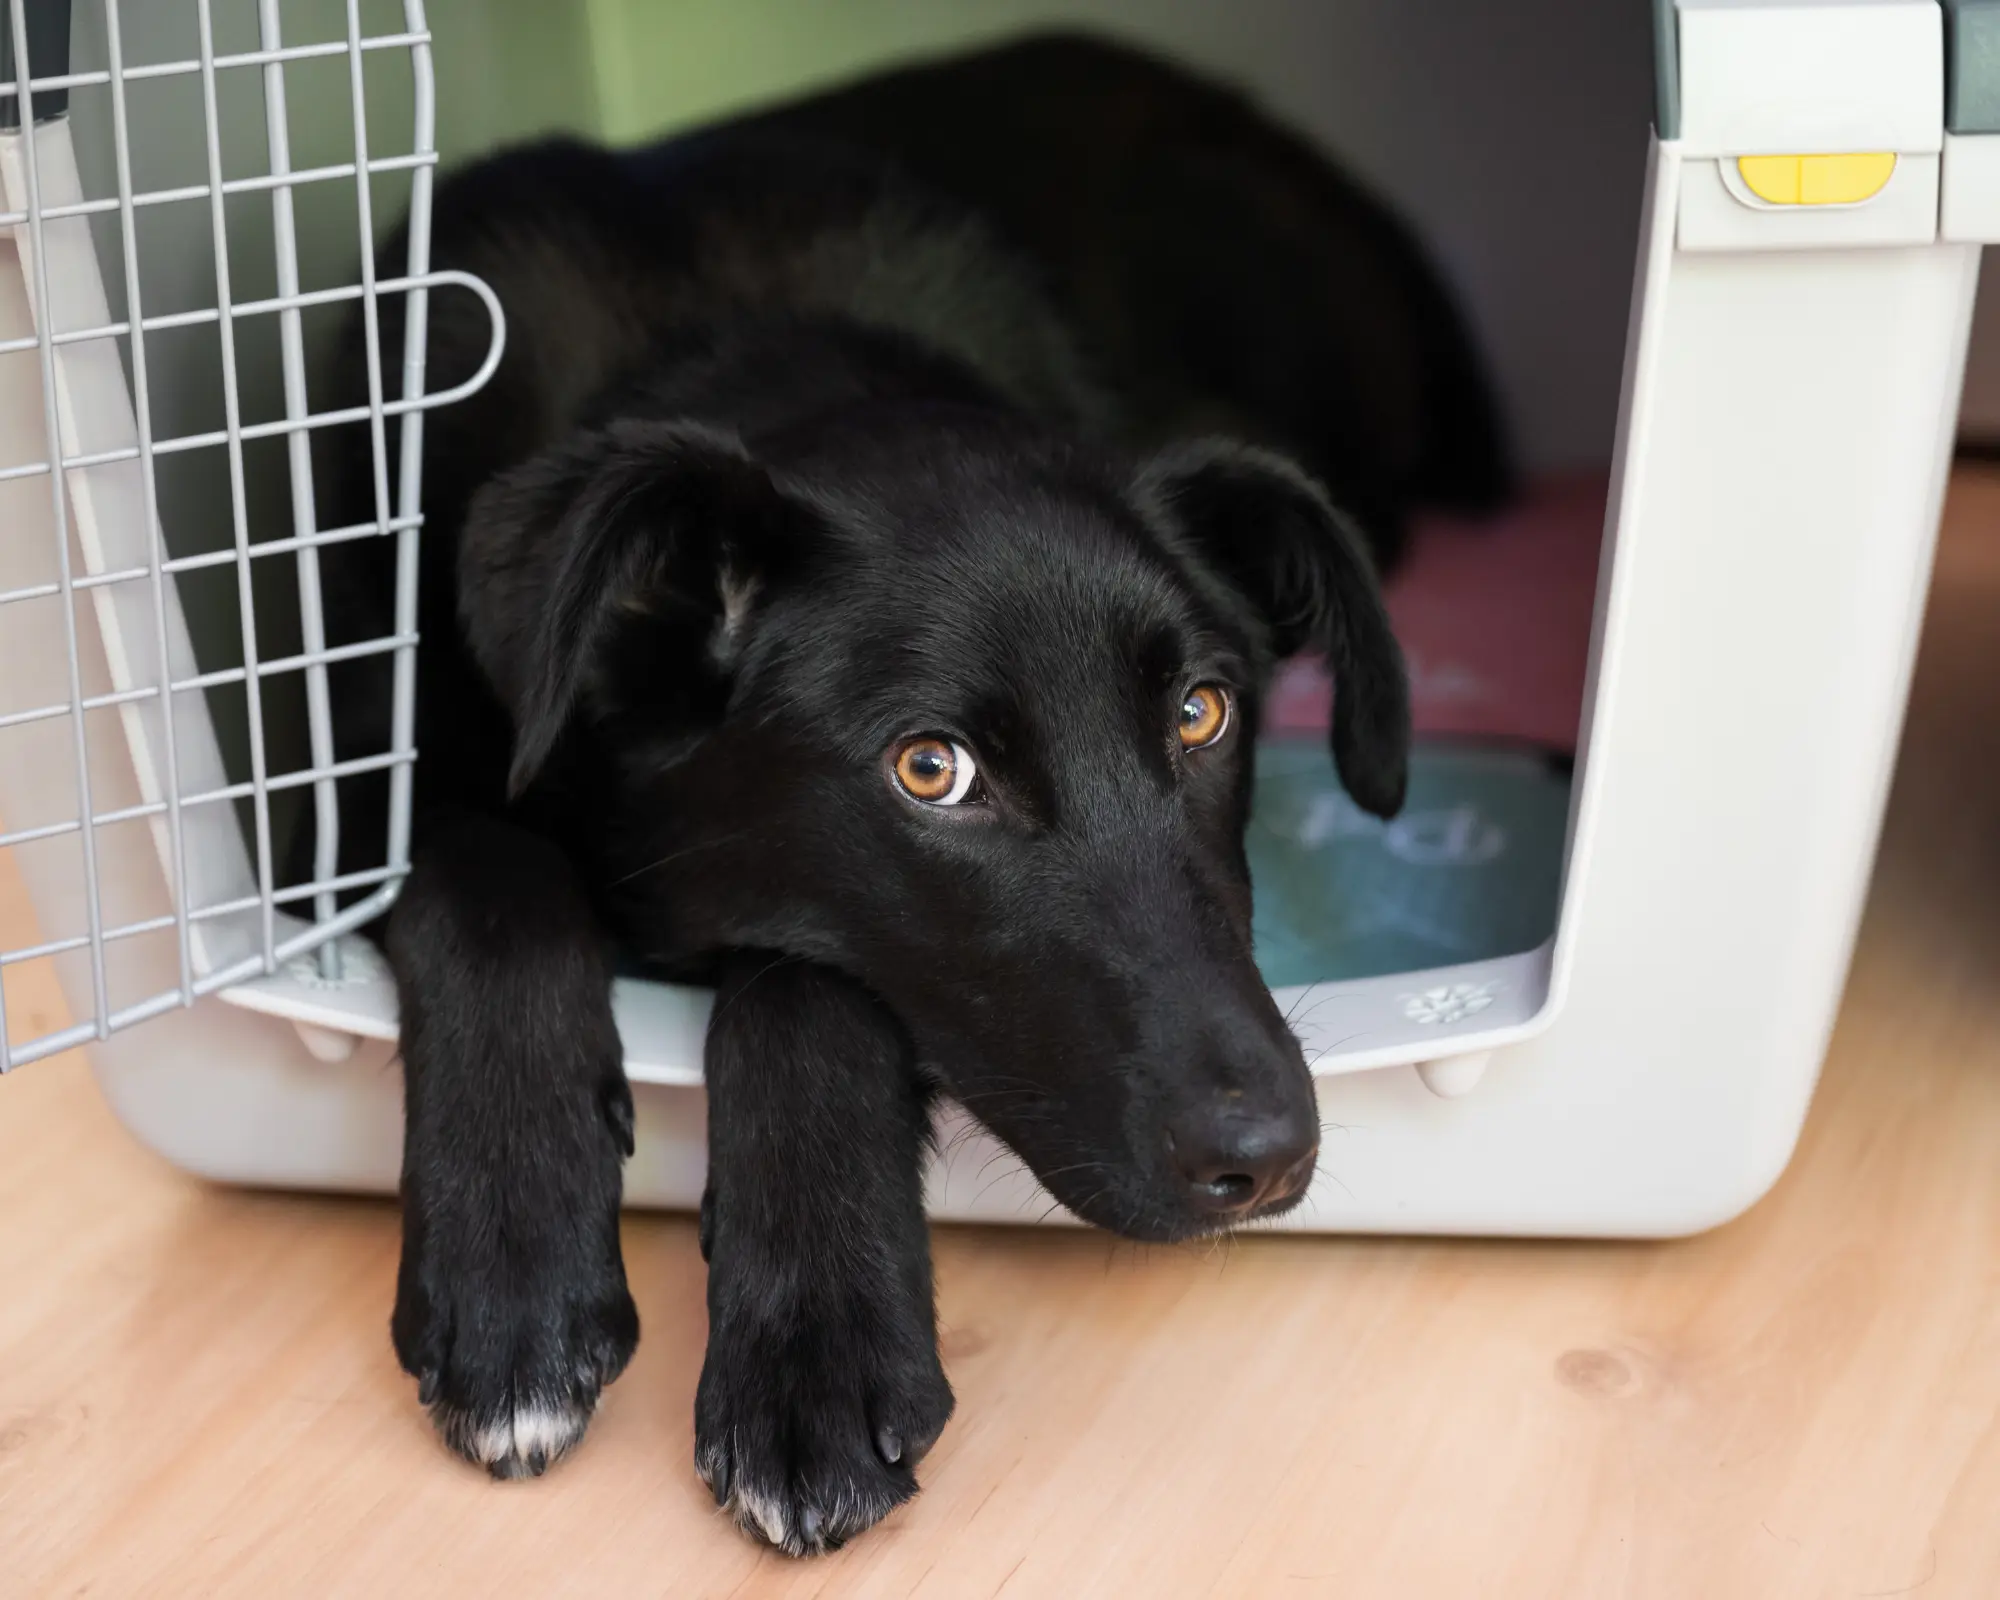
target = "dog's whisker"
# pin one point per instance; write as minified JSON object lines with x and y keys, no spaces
{"x":745,"y":987}
{"x":675,"y":855}
{"x":1327,"y":1173}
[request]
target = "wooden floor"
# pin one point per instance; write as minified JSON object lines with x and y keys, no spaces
{"x":197,"y":1395}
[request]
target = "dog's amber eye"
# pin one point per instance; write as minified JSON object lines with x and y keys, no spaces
{"x":939,"y":772}
{"x":1204,"y":716}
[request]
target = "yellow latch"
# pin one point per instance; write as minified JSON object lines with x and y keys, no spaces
{"x":1843,"y":180}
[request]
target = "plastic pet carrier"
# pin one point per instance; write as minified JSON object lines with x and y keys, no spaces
{"x":1582,"y":985}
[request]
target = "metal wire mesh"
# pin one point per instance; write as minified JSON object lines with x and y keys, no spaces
{"x":139,"y":787}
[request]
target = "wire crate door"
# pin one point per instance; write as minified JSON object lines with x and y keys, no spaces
{"x":95,"y":737}
{"x":104,"y":509}
{"x":152,"y":873}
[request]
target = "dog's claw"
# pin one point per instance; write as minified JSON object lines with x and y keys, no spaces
{"x":428,"y":1386}
{"x":890,"y":1444}
{"x":718,"y":1480}
{"x":809,"y":1527}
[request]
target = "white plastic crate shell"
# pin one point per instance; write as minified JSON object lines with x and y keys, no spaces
{"x":1654,"y":1059}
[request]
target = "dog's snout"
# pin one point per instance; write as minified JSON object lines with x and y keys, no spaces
{"x":1236,"y":1161}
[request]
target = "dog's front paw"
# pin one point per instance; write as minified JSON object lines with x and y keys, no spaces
{"x":510,"y":1360}
{"x":809,"y":1423}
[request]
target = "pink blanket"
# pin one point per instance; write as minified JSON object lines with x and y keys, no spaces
{"x":1495,"y":619}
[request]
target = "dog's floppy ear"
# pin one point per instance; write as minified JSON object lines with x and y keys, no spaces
{"x":1270,"y":530}
{"x":662,"y":530}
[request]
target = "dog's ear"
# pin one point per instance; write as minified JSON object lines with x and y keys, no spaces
{"x":639,"y":545}
{"x":1268,"y":529}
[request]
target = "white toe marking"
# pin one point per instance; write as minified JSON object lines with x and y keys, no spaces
{"x":547,"y":1429}
{"x":767,"y":1512}
{"x":534,"y":1426}
{"x":494,"y":1442}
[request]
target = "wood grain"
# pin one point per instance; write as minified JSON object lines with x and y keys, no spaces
{"x":197,"y":1395}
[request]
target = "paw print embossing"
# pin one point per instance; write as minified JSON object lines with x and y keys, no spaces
{"x":1449,"y":1002}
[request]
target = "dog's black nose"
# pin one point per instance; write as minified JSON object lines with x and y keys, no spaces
{"x":1235,"y":1161}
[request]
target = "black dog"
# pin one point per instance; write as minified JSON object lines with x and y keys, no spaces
{"x":812,"y":606}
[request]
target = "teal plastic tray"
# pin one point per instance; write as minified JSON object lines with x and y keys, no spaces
{"x":1471,"y":869}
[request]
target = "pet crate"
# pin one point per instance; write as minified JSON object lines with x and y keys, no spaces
{"x":1593,"y":992}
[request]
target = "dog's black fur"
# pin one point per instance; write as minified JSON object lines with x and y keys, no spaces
{"x":838,"y":426}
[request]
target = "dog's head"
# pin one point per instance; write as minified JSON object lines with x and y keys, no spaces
{"x":969,"y":716}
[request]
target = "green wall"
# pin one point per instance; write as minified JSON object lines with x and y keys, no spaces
{"x":626,"y":69}
{"x":510,"y":68}
{"x":666,"y":63}
{"x":662,"y":64}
